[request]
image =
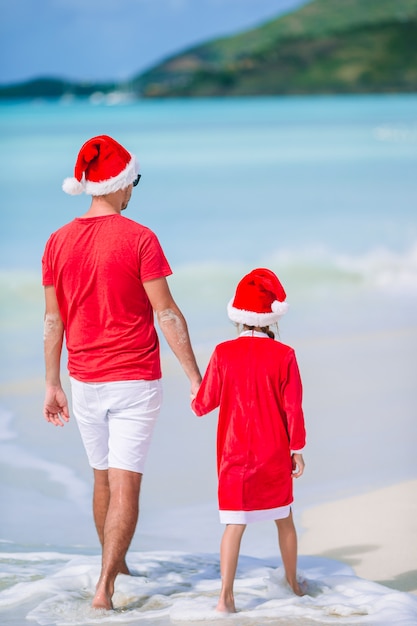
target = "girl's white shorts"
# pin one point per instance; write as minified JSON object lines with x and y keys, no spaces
{"x":116,"y":421}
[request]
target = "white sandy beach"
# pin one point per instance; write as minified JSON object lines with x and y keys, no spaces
{"x":375,"y":533}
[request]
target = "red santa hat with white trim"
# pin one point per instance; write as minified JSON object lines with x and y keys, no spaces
{"x":259,"y":299}
{"x":103,"y":166}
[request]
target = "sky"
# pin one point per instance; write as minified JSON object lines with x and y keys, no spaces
{"x":114,"y":39}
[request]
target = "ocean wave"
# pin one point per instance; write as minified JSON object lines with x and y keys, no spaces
{"x":70,"y":485}
{"x":206,"y":287}
{"x":174,"y":587}
{"x":21,"y":298}
{"x":396,"y":133}
{"x":6,"y":431}
{"x":379,"y":269}
{"x":16,"y":457}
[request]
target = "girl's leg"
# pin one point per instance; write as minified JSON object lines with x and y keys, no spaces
{"x":287,"y":538}
{"x":229,"y":555}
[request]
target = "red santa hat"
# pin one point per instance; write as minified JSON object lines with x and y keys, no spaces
{"x":259,"y":299}
{"x":103,"y":166}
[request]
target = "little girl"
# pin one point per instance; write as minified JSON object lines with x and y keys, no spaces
{"x":256,"y":383}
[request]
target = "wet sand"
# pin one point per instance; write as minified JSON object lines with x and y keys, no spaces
{"x":375,"y":533}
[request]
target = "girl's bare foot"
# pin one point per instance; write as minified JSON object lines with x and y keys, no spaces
{"x":299,"y":588}
{"x":226,"y":605}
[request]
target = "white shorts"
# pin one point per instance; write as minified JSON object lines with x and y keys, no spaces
{"x":116,"y":421}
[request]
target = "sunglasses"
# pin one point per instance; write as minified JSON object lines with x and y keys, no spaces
{"x":136,"y":181}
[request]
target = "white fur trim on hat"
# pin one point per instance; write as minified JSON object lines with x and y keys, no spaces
{"x":251,"y":318}
{"x":125,"y":178}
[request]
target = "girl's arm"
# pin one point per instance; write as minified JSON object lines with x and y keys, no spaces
{"x":208,"y":396}
{"x":292,"y":391}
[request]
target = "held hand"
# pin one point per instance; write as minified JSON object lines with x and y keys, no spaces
{"x":297,"y":465}
{"x":195,"y":385}
{"x":55,"y":408}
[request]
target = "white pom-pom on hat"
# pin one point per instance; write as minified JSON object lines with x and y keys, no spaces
{"x":103,"y":166}
{"x":72,"y":186}
{"x":259,"y":299}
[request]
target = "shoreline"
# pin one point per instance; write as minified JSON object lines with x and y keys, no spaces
{"x":375,"y":533}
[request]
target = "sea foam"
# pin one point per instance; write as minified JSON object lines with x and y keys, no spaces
{"x":170,"y":587}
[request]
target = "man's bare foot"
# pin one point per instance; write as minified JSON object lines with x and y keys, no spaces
{"x":102,"y":600}
{"x":123,"y":569}
{"x":104,"y":594}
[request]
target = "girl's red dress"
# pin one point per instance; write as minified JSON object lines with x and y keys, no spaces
{"x":256,"y":383}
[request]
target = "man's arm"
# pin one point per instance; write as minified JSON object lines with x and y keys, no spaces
{"x":55,"y":409}
{"x":174,"y":327}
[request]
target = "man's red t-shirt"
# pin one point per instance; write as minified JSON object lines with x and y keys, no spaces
{"x":98,"y":266}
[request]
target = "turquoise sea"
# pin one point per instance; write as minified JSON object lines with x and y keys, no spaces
{"x":323,"y":190}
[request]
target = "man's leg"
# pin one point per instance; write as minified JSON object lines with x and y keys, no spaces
{"x":287,"y":537}
{"x":116,"y":527}
{"x":229,"y":555}
{"x":101,"y":499}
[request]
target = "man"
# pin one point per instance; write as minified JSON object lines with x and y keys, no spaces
{"x":104,"y":277}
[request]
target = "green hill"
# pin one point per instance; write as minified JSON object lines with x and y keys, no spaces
{"x":327,"y":46}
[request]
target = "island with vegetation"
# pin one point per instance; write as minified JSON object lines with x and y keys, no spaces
{"x":323,"y":47}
